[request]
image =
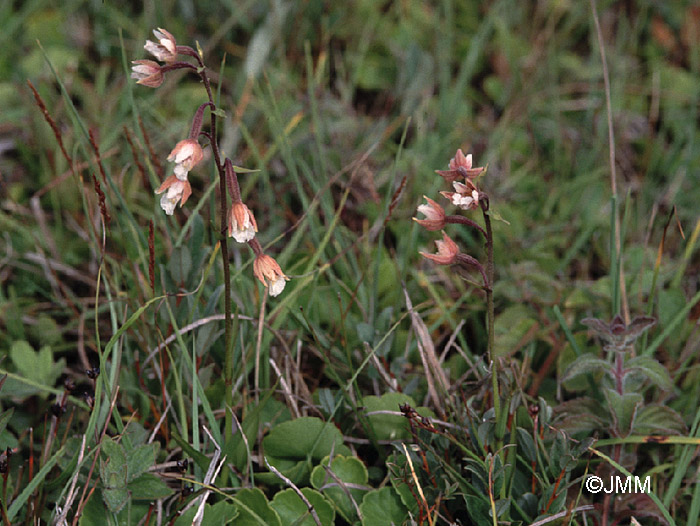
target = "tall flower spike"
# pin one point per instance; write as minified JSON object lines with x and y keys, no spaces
{"x":460,"y":167}
{"x":185,"y":155}
{"x":434,"y":215}
{"x":165,"y":49}
{"x":269,"y":273}
{"x":175,"y":190}
{"x":447,"y":251}
{"x":147,"y":73}
{"x":241,"y":223}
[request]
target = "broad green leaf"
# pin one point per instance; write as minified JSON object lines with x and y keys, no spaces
{"x":5,"y":418}
{"x":657,"y":419}
{"x":382,"y":507}
{"x":113,"y":470}
{"x":220,"y":514}
{"x":624,"y":408}
{"x":302,"y":438}
{"x":115,"y":498}
{"x":254,"y":509}
{"x":292,"y":509}
{"x":95,"y":512}
{"x":391,"y":427}
{"x":511,"y":329}
{"x":652,"y":369}
{"x":180,"y":264}
{"x":588,"y":363}
{"x":140,"y":459}
{"x":149,"y":487}
{"x":38,"y":366}
{"x":349,"y":471}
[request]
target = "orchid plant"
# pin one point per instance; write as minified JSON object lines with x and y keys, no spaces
{"x":237,"y":219}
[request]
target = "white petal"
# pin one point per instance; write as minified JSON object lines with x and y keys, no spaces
{"x":167,"y":204}
{"x":277,"y":286}
{"x":180,"y":172}
{"x":243,"y":236}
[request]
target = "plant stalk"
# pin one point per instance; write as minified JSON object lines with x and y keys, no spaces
{"x":490,"y":320}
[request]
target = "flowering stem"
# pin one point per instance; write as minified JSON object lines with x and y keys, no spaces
{"x":490,"y":318}
{"x":228,"y":321}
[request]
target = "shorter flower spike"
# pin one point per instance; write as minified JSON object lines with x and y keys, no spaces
{"x":165,"y":49}
{"x":185,"y":155}
{"x":434,"y":215}
{"x":269,"y":273}
{"x":147,"y":73}
{"x":175,"y":190}
{"x":241,"y":223}
{"x":447,"y":251}
{"x":460,"y":167}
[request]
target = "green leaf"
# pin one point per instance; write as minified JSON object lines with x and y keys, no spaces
{"x":624,"y":408}
{"x":149,"y":487}
{"x":657,"y":419}
{"x":351,"y":472}
{"x":391,"y":427}
{"x":651,"y":369}
{"x":382,"y":507}
{"x":511,"y":328}
{"x":115,"y":498}
{"x":94,"y":513}
{"x":112,"y":464}
{"x":254,"y":509}
{"x":588,"y":363}
{"x":180,"y":264}
{"x":5,"y":418}
{"x":292,"y":509}
{"x":219,"y":514}
{"x":37,"y":366}
{"x":291,"y":444}
{"x":140,"y":459}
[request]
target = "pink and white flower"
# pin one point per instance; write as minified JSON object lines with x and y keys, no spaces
{"x":447,"y":251}
{"x":241,"y":223}
{"x":165,"y":49}
{"x":175,"y":190}
{"x":147,"y":73}
{"x":434,"y":215}
{"x":185,"y":155}
{"x":268,"y":271}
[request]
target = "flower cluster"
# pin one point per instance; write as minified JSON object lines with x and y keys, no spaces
{"x":466,"y":196}
{"x":187,"y":153}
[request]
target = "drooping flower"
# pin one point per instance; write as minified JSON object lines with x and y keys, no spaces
{"x":466,"y":196}
{"x":241,"y":223}
{"x":147,"y":73}
{"x":269,"y":273}
{"x":185,"y":155}
{"x":434,"y":215}
{"x":460,"y":167}
{"x":175,"y":190}
{"x":165,"y":49}
{"x":447,"y":251}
